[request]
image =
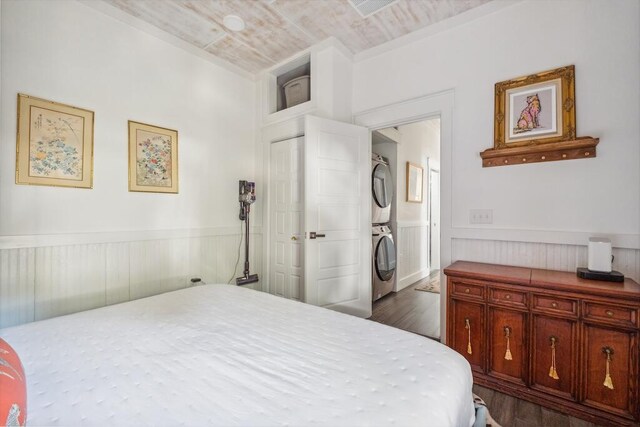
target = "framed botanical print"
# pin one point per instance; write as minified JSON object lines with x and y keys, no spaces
{"x":54,"y":144}
{"x":535,"y":109}
{"x":153,"y":158}
{"x":414,"y":183}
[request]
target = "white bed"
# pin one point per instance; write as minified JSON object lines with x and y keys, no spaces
{"x":222,"y":355}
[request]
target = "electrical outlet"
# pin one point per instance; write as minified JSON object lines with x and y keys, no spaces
{"x":481,"y":216}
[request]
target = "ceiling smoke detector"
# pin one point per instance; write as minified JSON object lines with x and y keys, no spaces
{"x":233,"y":22}
{"x":367,"y":8}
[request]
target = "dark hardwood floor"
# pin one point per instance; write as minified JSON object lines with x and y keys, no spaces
{"x":419,"y":312}
{"x":509,"y":411}
{"x":410,"y":310}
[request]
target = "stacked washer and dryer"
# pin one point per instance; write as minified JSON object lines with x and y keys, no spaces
{"x":383,"y":249}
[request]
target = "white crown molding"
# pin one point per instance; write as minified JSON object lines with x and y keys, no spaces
{"x":338,"y":45}
{"x":152,"y":30}
{"x":438,"y":27}
{"x":44,"y":240}
{"x":324,"y":44}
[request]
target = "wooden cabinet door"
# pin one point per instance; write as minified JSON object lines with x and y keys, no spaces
{"x":554,"y":356}
{"x":467,"y":332}
{"x":508,"y":352}
{"x":620,"y":348}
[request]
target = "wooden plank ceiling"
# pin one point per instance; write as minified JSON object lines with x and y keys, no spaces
{"x":278,"y":29}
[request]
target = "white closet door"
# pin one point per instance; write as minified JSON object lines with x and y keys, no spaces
{"x":287,"y":215}
{"x":338,"y":209}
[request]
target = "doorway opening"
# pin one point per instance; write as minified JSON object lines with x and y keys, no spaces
{"x":412,"y":299}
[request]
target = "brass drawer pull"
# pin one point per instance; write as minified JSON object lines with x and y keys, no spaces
{"x":507,"y":296}
{"x":554,"y":304}
{"x":507,"y":334}
{"x":466,"y":291}
{"x":552,"y":370}
{"x":608,"y":383}
{"x":609,"y":313}
{"x":467,"y":326}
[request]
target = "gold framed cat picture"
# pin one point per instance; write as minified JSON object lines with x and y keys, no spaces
{"x":535,"y":109}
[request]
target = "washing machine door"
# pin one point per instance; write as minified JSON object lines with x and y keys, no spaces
{"x":382,"y":185}
{"x":385,"y":259}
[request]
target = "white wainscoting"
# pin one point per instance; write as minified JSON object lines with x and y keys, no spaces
{"x":41,"y":282}
{"x":412,"y":246}
{"x":549,"y":256}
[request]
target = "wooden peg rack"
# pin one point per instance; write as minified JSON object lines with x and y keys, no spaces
{"x":579,"y":148}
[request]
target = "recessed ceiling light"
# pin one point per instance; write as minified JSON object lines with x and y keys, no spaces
{"x":233,"y":23}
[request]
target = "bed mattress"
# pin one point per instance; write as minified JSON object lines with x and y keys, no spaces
{"x":223,"y":355}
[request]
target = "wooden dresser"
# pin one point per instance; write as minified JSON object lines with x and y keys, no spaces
{"x":549,"y":337}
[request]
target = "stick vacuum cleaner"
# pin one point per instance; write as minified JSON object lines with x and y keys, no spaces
{"x":246,"y":197}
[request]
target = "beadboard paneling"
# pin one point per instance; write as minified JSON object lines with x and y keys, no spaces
{"x":43,"y":282}
{"x":540,"y":255}
{"x":413,"y":253}
{"x":161,"y":266}
{"x":17,"y":292}
{"x":117,"y":265}
{"x":69,"y":279}
{"x":226,"y":260}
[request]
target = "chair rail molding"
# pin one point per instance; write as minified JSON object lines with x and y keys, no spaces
{"x":42,"y":240}
{"x":625,"y":241}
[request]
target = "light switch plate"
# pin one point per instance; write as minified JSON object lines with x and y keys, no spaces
{"x":481,"y":216}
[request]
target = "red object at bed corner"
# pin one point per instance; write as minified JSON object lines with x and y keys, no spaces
{"x":13,"y":387}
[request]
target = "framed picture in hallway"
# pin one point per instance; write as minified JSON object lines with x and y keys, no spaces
{"x":415,"y":180}
{"x":153,"y":158}
{"x":54,"y":144}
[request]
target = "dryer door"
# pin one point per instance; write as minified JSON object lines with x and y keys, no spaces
{"x":385,"y":260}
{"x":381,"y":185}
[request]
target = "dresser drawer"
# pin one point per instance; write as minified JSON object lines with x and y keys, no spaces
{"x":621,"y":315}
{"x":467,"y":290}
{"x":508,"y":297}
{"x":555,"y":305}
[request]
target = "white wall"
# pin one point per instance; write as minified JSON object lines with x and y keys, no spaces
{"x":67,"y":52}
{"x":64,"y":250}
{"x":601,"y":38}
{"x":550,"y":208}
{"x":419,"y":144}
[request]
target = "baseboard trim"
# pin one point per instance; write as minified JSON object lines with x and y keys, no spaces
{"x":412,"y":278}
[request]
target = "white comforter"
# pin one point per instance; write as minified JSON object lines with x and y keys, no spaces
{"x":222,"y":355}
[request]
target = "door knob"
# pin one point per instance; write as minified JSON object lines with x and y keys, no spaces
{"x":294,"y":238}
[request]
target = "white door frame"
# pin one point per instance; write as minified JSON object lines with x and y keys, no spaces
{"x":438,"y":104}
{"x":433,"y":171}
